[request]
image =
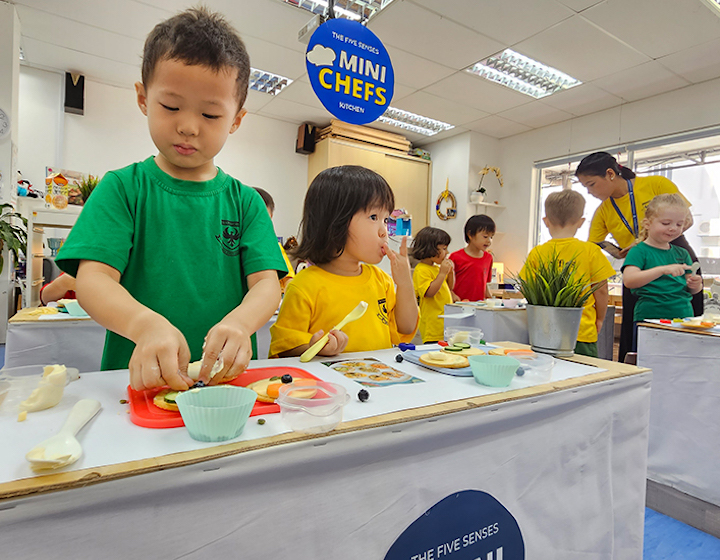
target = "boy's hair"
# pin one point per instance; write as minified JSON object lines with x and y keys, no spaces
{"x":267,"y":199}
{"x":657,"y":204}
{"x":597,"y":164}
{"x":333,"y":198}
{"x":425,"y":244}
{"x":564,"y":207}
{"x":198,"y":37}
{"x":479,"y":222}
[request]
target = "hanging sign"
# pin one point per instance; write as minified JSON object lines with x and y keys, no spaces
{"x":350,"y":71}
{"x":468,"y":525}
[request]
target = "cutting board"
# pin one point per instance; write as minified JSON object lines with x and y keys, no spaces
{"x":144,"y":413}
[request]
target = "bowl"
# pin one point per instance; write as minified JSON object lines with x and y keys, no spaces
{"x":73,"y":308}
{"x":216,"y":413}
{"x":511,"y":303}
{"x":493,"y":371}
{"x":469,"y":335}
{"x":534,"y":367}
{"x":312,"y":408}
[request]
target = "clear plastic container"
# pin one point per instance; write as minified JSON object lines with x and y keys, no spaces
{"x":534,"y":367}
{"x":312,"y":408}
{"x":469,"y":335}
{"x":216,"y":413}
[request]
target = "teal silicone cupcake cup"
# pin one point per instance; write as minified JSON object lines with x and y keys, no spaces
{"x":493,"y":371}
{"x":216,"y":413}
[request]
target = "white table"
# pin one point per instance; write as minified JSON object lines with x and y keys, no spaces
{"x":684,"y":448}
{"x":566,"y":459}
{"x":501,"y":323}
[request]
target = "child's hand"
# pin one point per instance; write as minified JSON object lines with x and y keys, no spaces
{"x":235,"y":346}
{"x":399,"y":263}
{"x":676,"y":269}
{"x":446,"y":266}
{"x":337,"y":341}
{"x":161,"y":357}
{"x":694,"y":283}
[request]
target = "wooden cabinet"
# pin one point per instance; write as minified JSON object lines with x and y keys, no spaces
{"x":408,"y":176}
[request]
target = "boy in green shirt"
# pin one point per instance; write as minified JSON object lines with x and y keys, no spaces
{"x":175,"y":258}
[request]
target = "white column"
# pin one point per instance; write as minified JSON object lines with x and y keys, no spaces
{"x":9,"y":86}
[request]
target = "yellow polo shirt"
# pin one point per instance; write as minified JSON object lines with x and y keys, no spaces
{"x":432,"y":328}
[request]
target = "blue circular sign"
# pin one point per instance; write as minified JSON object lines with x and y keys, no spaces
{"x":468,"y":525}
{"x":350,"y":71}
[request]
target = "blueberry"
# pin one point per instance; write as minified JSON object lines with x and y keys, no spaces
{"x":399,"y":358}
{"x":363,"y":395}
{"x":287,"y":378}
{"x":198,"y":384}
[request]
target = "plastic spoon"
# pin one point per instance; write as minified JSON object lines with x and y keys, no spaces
{"x":354,"y":315}
{"x":63,"y":448}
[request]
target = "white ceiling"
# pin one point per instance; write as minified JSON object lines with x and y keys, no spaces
{"x":623,"y":51}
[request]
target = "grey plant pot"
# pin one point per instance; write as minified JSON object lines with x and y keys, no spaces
{"x":553,"y":330}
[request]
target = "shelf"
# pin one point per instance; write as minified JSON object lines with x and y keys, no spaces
{"x":486,"y":204}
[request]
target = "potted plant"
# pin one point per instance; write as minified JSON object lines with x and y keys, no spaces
{"x":15,"y":237}
{"x":555,"y":293}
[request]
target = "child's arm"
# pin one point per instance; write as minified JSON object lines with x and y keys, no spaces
{"x":443,"y":273}
{"x":633,"y":277}
{"x":601,"y":303}
{"x":337,"y":341}
{"x":231,"y":336}
{"x":694,"y":283}
{"x":161,"y":354}
{"x":451,"y":277}
{"x":406,"y":309}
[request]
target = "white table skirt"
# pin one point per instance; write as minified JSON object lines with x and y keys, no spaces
{"x":684,"y":448}
{"x":568,"y":465}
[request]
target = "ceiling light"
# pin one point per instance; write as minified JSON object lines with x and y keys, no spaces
{"x":350,"y":9}
{"x":412,"y":122}
{"x":267,"y":82}
{"x":714,"y":5}
{"x":522,"y":74}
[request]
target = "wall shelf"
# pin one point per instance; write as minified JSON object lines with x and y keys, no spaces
{"x":490,"y":204}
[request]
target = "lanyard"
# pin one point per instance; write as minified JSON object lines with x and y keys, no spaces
{"x":634,"y":231}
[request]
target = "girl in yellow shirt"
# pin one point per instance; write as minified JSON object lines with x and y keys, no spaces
{"x":344,"y":233}
{"x":433,"y":279}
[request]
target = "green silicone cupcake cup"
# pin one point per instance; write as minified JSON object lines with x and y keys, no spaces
{"x":216,"y":413}
{"x":493,"y":371}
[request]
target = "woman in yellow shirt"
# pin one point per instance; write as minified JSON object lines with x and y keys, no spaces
{"x":625,"y":198}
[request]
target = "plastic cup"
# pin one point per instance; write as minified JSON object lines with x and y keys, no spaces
{"x":216,"y":413}
{"x":493,"y":371}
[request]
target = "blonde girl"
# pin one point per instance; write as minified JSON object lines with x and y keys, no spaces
{"x":344,"y":234}
{"x":433,"y":279}
{"x":657,"y":271}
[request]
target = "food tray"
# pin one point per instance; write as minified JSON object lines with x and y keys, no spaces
{"x":144,"y":413}
{"x":413,"y":356}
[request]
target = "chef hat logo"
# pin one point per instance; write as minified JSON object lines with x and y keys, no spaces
{"x":321,"y":56}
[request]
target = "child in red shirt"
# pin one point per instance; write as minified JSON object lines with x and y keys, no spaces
{"x":473,"y":264}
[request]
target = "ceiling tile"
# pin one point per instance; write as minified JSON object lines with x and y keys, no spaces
{"x":657,"y":27}
{"x":535,"y":114}
{"x":425,"y":140}
{"x":274,"y":58}
{"x":414,"y":71}
{"x":302,"y":92}
{"x":696,"y":64}
{"x":506,"y":21}
{"x":579,"y":5}
{"x":645,"y":80}
{"x":477,"y":92}
{"x":437,"y":108}
{"x":582,"y":100}
{"x":411,"y":136}
{"x":401,"y":92}
{"x":294,"y":112}
{"x":414,"y":29}
{"x":580,"y":49}
{"x":497,"y":127}
{"x":256,"y":100}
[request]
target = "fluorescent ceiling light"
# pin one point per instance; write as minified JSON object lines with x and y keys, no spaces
{"x":714,"y":5}
{"x":350,"y":9}
{"x":412,"y":122}
{"x":522,"y":74}
{"x":267,"y":82}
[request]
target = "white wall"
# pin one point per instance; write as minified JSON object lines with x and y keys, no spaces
{"x":113,"y":133}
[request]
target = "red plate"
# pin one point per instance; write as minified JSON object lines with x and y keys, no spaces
{"x":144,"y":413}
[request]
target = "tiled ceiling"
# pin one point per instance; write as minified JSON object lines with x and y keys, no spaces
{"x":623,"y":51}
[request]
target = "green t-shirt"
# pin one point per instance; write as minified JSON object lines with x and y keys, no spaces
{"x":666,"y":297}
{"x":183,"y":248}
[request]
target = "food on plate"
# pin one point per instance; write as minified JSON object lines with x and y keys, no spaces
{"x":269,"y":389}
{"x":444,"y":360}
{"x":49,"y":391}
{"x":371,"y":372}
{"x":505,"y":351}
{"x":697,"y":324}
{"x":194,"y":370}
{"x":165,"y":399}
{"x":462,"y":349}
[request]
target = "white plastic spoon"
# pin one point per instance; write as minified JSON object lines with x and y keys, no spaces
{"x":354,"y":315}
{"x":63,"y":448}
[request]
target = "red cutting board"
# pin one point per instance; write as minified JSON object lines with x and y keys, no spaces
{"x":144,"y":413}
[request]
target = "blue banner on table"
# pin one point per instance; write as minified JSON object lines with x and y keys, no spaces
{"x":468,"y":525}
{"x":350,"y":71}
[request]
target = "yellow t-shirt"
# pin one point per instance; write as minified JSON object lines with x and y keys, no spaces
{"x":431,"y":327}
{"x":606,"y":219}
{"x":291,"y":272}
{"x":317,"y":299}
{"x":591,"y":263}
